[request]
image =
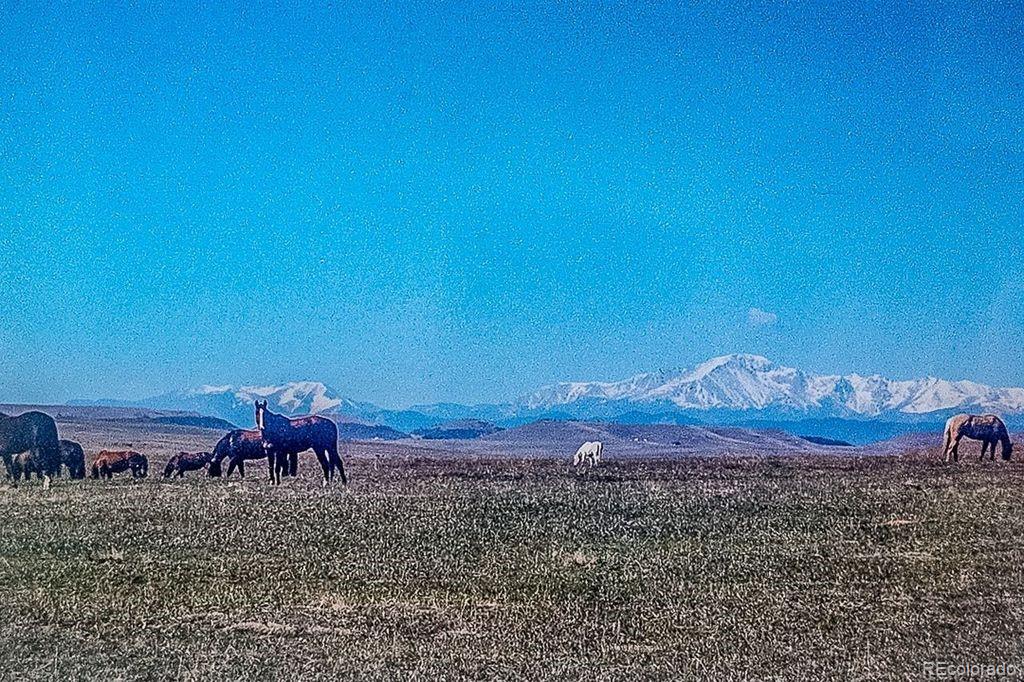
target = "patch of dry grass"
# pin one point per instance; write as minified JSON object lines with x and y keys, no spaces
{"x":434,"y":568}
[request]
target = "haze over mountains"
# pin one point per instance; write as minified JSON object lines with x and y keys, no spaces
{"x":746,"y":390}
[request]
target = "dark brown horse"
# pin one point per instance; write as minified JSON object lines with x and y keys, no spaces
{"x":73,"y":458}
{"x":108,"y":463}
{"x":187,"y":461}
{"x":292,"y":436}
{"x":34,"y":433}
{"x":240,"y":445}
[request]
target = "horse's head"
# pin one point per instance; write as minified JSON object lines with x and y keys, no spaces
{"x":1007,"y":450}
{"x":261,"y":413}
{"x":221,"y":450}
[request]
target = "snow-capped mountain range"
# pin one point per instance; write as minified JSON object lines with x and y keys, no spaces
{"x":235,"y":403}
{"x":735,"y":389}
{"x":754,"y":383}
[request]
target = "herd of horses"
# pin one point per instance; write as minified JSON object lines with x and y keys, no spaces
{"x":29,"y":444}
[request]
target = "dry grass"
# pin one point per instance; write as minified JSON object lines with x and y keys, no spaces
{"x":431,"y":568}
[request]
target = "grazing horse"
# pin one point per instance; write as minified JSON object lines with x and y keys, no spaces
{"x":108,"y":463}
{"x":292,"y":436}
{"x":187,"y":461}
{"x":589,"y":452}
{"x":988,"y":428}
{"x":72,"y":457}
{"x":240,"y":445}
{"x":21,"y":467}
{"x":34,"y":433}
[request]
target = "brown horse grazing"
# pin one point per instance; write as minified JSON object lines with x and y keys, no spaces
{"x":187,"y":461}
{"x":292,"y":436}
{"x":34,"y":433}
{"x":72,"y":457}
{"x":108,"y":463}
{"x":240,"y":445}
{"x":988,"y":428}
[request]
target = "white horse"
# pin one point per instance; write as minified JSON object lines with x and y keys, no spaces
{"x":589,"y":452}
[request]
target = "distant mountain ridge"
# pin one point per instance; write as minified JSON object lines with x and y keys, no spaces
{"x":744,"y":390}
{"x":754,"y":383}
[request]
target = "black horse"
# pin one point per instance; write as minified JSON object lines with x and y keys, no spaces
{"x":73,"y":458}
{"x":34,"y":433}
{"x":289,"y":437}
{"x":240,"y":445}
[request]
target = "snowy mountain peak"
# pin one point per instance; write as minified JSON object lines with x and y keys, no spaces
{"x":235,"y":403}
{"x":297,"y":396}
{"x":739,"y":361}
{"x":744,"y":382}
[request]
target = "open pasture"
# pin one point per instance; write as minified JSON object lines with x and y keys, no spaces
{"x":430,"y":566}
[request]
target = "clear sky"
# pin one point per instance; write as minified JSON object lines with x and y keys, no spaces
{"x":414,"y":204}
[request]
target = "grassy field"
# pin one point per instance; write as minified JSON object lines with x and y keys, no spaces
{"x":433,"y":568}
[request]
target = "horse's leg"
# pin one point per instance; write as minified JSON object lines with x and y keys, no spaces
{"x":336,"y":461}
{"x":273,"y":469}
{"x":956,"y":448}
{"x":293,"y":464}
{"x":280,"y":469}
{"x":232,"y":463}
{"x":984,"y":447}
{"x":325,"y":464}
{"x":322,"y":453}
{"x":241,"y":468}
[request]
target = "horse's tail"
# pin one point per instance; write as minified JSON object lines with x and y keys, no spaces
{"x":947,"y":437}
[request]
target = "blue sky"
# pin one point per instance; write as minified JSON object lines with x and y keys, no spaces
{"x":415,"y":203}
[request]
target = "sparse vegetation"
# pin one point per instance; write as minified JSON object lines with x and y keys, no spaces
{"x":480,"y":568}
